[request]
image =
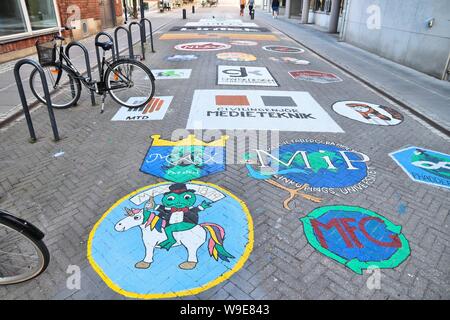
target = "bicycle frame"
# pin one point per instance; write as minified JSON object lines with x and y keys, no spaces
{"x":98,"y":87}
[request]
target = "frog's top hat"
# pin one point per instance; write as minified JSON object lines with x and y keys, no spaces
{"x":179,"y":188}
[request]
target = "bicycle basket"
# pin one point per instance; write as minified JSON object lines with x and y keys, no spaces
{"x":46,"y":52}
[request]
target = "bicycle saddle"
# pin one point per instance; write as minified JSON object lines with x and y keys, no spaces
{"x":104,"y":45}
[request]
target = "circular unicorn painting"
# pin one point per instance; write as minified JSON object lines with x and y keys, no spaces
{"x":171,"y":239}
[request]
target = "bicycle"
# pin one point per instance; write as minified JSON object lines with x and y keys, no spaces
{"x":129,"y":82}
{"x":23,"y":254}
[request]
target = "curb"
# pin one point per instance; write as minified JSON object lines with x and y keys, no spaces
{"x":372,"y":86}
{"x":32,"y":106}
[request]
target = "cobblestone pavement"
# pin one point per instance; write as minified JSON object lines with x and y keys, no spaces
{"x":67,"y":195}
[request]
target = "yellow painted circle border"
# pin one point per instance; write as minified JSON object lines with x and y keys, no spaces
{"x":209,"y":285}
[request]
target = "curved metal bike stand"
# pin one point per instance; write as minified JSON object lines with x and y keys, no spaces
{"x":151,"y":31}
{"x":97,"y":51}
{"x":23,"y":99}
{"x":86,"y":60}
{"x":142,"y":37}
{"x":130,"y":41}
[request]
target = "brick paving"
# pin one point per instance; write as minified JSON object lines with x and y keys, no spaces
{"x":66,"y":195}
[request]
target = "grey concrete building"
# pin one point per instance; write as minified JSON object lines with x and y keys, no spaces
{"x":414,"y":33}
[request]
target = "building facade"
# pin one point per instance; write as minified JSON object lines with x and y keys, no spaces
{"x":22,"y":22}
{"x":414,"y":33}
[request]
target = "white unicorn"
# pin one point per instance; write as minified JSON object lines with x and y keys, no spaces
{"x":191,"y":239}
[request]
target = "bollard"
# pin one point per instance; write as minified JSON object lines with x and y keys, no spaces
{"x":193,"y":9}
{"x":184,"y":14}
{"x":252,"y":14}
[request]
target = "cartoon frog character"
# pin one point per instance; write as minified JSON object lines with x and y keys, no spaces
{"x":178,"y":211}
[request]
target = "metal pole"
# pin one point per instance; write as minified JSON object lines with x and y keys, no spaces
{"x":142,"y":39}
{"x":86,"y":60}
{"x":23,"y":99}
{"x":143,"y":36}
{"x":184,"y":14}
{"x":125,"y":10}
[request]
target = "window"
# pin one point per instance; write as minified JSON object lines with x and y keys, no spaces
{"x":42,"y":14}
{"x":11,"y":18}
{"x":22,"y":17}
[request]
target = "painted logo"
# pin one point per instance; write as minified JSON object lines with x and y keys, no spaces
{"x":283,"y":49}
{"x":164,"y":74}
{"x":218,"y":35}
{"x":202,"y":46}
{"x":356,"y":237}
{"x":245,"y":76}
{"x":290,"y":60}
{"x":259,"y":110}
{"x":155,"y":109}
{"x":243,"y":43}
{"x":182,"y":57}
{"x":315,"y":76}
{"x":184,"y":160}
{"x":221,"y":23}
{"x":368,"y":113}
{"x":169,"y":240}
{"x":236,"y":56}
{"x":224,"y":29}
{"x":423,"y":165}
{"x":306,"y":166}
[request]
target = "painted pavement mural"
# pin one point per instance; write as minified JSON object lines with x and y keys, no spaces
{"x":425,"y":166}
{"x":305,"y":166}
{"x":184,"y":160}
{"x":171,"y":239}
{"x":369,"y":113}
{"x":356,"y":237}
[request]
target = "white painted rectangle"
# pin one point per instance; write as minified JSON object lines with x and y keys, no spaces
{"x":259,"y":110}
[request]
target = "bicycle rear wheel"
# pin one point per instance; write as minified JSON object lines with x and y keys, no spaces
{"x":130,"y":83}
{"x":22,"y":257}
{"x":63,"y":95}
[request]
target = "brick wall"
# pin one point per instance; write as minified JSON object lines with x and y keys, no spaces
{"x":89,"y":9}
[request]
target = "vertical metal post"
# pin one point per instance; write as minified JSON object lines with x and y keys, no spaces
{"x":193,"y":9}
{"x":150,"y":31}
{"x":125,"y":9}
{"x":97,"y":51}
{"x":130,"y":41}
{"x":86,"y":60}
{"x":142,"y":40}
{"x":184,"y":14}
{"x":23,"y":99}
{"x":143,"y":36}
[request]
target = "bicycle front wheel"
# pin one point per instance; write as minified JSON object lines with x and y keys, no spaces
{"x":130,"y":83}
{"x":22,"y":257}
{"x":64,"y":87}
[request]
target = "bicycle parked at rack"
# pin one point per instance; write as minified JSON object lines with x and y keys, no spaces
{"x":23,"y":254}
{"x":129,"y":82}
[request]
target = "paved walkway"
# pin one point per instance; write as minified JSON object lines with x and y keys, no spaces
{"x":10,"y":104}
{"x":76,"y":190}
{"x":426,"y":95}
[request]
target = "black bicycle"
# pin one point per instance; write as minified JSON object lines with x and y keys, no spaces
{"x":23,"y":254}
{"x":129,"y":82}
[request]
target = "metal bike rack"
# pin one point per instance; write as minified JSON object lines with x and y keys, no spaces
{"x":143,"y":20}
{"x":86,"y":60}
{"x":130,"y":41}
{"x":23,"y":99}
{"x":142,"y":36}
{"x":97,"y":51}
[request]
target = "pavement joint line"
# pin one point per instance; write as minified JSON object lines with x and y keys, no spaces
{"x":35,"y":104}
{"x":380,"y":91}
